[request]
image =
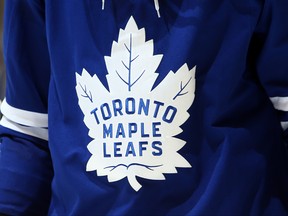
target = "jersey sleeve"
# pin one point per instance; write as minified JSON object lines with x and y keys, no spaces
{"x":272,"y":63}
{"x":25,"y":163}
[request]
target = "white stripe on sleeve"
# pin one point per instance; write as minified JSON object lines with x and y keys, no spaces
{"x":23,"y":117}
{"x":280,"y":103}
{"x":41,"y":133}
{"x":284,"y":125}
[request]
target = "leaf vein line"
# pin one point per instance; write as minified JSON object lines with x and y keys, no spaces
{"x":133,"y":164}
{"x":180,"y":93}
{"x":121,"y":78}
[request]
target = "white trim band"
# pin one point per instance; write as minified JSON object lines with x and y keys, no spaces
{"x":41,"y":133}
{"x":280,"y":103}
{"x":23,"y":117}
{"x":284,"y":125}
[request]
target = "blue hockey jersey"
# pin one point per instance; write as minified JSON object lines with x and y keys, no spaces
{"x":140,"y":107}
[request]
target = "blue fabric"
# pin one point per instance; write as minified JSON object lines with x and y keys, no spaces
{"x":234,"y":140}
{"x":25,"y":185}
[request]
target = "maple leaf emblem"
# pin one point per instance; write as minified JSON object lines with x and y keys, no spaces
{"x":133,"y":127}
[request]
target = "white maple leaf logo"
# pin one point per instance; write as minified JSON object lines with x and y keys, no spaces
{"x":133,"y":127}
